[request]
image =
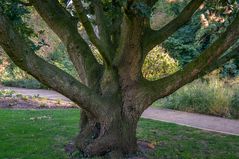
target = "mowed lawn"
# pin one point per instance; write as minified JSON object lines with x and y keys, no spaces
{"x":42,"y":134}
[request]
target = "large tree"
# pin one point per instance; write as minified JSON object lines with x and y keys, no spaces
{"x":112,"y":95}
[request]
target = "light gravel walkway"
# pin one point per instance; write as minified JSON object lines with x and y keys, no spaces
{"x":205,"y":122}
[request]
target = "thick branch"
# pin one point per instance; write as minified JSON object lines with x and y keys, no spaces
{"x":116,"y":30}
{"x":100,"y":45}
{"x":166,"y":86}
{"x":23,"y":56}
{"x":234,"y":54}
{"x":129,"y":55}
{"x":104,"y":32}
{"x":85,"y":21}
{"x":153,"y":38}
{"x":63,"y":24}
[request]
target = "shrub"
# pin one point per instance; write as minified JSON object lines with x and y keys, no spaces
{"x":234,"y":109}
{"x":212,"y":97}
{"x":158,"y":64}
{"x":24,"y":83}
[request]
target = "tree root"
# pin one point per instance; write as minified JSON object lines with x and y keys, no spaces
{"x":100,"y":146}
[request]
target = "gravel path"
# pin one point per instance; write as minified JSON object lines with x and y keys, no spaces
{"x":204,"y":122}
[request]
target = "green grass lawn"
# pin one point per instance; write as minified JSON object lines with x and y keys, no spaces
{"x":42,"y":134}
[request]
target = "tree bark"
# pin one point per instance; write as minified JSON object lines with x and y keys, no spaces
{"x":115,"y":132}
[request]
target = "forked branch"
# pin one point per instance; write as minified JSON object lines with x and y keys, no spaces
{"x":165,"y":86}
{"x":153,"y":38}
{"x":99,"y":44}
{"x":103,"y":27}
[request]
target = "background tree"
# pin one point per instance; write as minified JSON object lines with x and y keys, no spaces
{"x":204,"y":28}
{"x":112,"y":95}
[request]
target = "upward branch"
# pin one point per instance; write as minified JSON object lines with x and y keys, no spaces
{"x":153,"y":38}
{"x":104,"y":32}
{"x":99,"y":43}
{"x":63,"y":24}
{"x":166,"y":86}
{"x":233,"y":54}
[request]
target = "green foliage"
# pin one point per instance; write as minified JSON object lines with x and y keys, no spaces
{"x":230,"y":69}
{"x":234,"y":109}
{"x":187,"y":42}
{"x":16,"y":12}
{"x":204,"y":28}
{"x":59,"y":58}
{"x":24,"y":83}
{"x":158,"y":64}
{"x":141,"y":9}
{"x":212,"y":97}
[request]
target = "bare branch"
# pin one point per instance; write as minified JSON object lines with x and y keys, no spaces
{"x":153,"y":38}
{"x":116,"y":26}
{"x":163,"y":87}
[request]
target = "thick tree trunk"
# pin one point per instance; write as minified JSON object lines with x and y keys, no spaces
{"x":107,"y":134}
{"x":114,"y":129}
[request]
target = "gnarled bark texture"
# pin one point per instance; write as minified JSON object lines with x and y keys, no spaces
{"x":112,"y":96}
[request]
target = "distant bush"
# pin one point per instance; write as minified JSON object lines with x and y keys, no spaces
{"x":158,"y":64}
{"x":211,"y":97}
{"x":234,"y":109}
{"x":60,"y":59}
{"x":13,"y":76}
{"x":24,"y":83}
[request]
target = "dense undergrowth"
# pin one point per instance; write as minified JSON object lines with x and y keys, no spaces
{"x":213,"y":97}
